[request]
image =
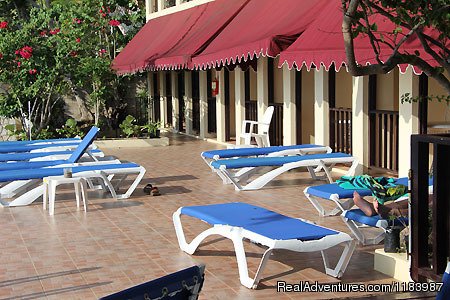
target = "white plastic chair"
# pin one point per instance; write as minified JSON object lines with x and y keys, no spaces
{"x":262,"y":136}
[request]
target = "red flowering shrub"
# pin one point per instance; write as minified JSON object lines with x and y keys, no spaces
{"x":26,"y":52}
{"x":3,"y":24}
{"x":114,"y":23}
{"x":54,"y":31}
{"x":32,"y":71}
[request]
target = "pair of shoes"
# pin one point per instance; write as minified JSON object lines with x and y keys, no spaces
{"x":151,"y":190}
{"x":155,"y":192}
{"x":148,"y":189}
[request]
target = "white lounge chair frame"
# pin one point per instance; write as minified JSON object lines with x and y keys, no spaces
{"x":313,"y":166}
{"x":244,"y":173}
{"x":238,"y":234}
{"x":341,"y":205}
{"x":359,"y":229}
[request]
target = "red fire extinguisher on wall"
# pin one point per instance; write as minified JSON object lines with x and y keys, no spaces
{"x":214,"y":87}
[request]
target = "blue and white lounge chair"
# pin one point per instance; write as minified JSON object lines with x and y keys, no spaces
{"x":342,"y":198}
{"x":23,"y":180}
{"x":444,"y":293}
{"x":37,"y":142}
{"x":313,"y":162}
{"x":38,"y":147}
{"x":77,"y":153}
{"x":273,"y":151}
{"x":358,"y":222}
{"x":182,"y":285}
{"x":238,"y":221}
{"x":210,"y":155}
{"x":50,"y":155}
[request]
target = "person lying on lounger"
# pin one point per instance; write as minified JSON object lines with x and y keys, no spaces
{"x":383,"y":189}
{"x":396,"y":209}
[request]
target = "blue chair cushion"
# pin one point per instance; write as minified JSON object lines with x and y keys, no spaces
{"x":326,"y":190}
{"x":236,"y":163}
{"x":359,"y":216}
{"x":29,"y":147}
{"x":74,"y":157}
{"x":175,"y":284}
{"x":24,"y":156}
{"x":444,"y":293}
{"x":258,"y":220}
{"x":14,"y":143}
{"x":228,"y":153}
{"x":26,"y":174}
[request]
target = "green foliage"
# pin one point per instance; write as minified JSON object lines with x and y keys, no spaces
{"x":22,"y":135}
{"x":129,"y":127}
{"x":70,"y":129}
{"x":48,"y":52}
{"x":151,"y":128}
{"x":391,"y":24}
{"x":409,"y":99}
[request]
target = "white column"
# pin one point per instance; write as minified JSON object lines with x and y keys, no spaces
{"x":262,"y":87}
{"x":408,"y":119}
{"x":360,"y":122}
{"x":148,"y":8}
{"x":163,"y":98}
{"x":177,"y":2}
{"x":188,"y":101}
{"x":321,"y":108}
{"x":160,"y":4}
{"x":289,"y":108}
{"x":151,"y":97}
{"x":220,"y":106}
{"x":239,"y":88}
{"x":203,"y":81}
{"x":175,"y":102}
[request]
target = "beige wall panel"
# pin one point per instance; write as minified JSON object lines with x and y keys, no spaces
{"x":252,"y":84}
{"x":307,"y":106}
{"x":232,"y":106}
{"x":277,"y":81}
{"x":438,"y":112}
{"x":344,"y":87}
{"x":387,"y":91}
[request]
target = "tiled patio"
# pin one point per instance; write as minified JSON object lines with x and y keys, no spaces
{"x":117,"y":244}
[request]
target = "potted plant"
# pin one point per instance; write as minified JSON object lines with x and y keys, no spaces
{"x":152,"y":129}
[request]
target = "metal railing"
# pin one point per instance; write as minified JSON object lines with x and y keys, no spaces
{"x":383,"y":139}
{"x":251,"y":110}
{"x":341,"y":130}
{"x":276,"y":126}
{"x":196,"y":114}
{"x":212,"y":121}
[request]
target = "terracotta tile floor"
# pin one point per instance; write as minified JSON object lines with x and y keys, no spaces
{"x":117,"y":244}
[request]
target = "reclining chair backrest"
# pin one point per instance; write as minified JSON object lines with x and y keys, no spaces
{"x":444,"y":293}
{"x":84,"y":144}
{"x":266,"y":119}
{"x":184,"y":284}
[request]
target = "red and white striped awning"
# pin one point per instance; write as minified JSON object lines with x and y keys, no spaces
{"x":322,"y":43}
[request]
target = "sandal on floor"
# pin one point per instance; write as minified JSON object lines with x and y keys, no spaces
{"x":155,"y":192}
{"x":148,"y":189}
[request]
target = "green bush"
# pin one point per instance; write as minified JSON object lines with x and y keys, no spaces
{"x":70,"y":129}
{"x":128,"y":126}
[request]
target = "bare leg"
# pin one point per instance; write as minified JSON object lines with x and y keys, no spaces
{"x":364,"y":205}
{"x":383,"y":210}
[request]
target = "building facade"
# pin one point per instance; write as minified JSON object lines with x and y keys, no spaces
{"x":363,"y":116}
